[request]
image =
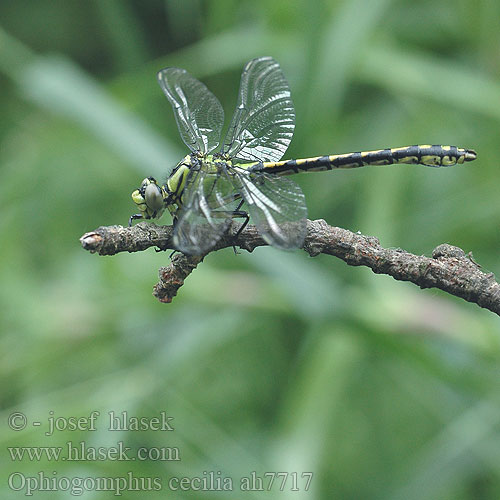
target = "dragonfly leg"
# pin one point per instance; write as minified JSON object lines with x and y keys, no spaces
{"x":243,"y":214}
{"x":234,"y":214}
{"x":134,"y":217}
{"x":175,"y":220}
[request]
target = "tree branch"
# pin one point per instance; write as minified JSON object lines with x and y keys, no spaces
{"x":449,"y":268}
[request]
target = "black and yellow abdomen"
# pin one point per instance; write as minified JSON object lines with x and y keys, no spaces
{"x":432,"y":156}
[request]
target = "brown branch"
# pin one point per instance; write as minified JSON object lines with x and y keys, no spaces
{"x":449,"y":268}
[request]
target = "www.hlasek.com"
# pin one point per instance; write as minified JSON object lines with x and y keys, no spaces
{"x":82,"y":452}
{"x":207,"y":481}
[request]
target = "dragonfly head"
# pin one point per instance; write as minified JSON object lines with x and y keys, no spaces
{"x":150,"y":198}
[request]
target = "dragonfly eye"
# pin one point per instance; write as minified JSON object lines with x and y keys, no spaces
{"x":153,"y":197}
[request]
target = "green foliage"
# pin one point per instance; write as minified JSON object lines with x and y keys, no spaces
{"x":271,"y":361}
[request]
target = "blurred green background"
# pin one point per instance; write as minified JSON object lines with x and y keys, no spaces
{"x":271,"y":361}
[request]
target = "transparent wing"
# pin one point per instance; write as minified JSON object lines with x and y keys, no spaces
{"x":208,"y":202}
{"x":264,"y":120}
{"x":198,"y":112}
{"x":276,"y":205}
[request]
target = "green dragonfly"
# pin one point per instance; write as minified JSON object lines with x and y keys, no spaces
{"x":207,"y":189}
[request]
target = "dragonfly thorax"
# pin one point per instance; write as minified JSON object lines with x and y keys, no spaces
{"x":190,"y":165}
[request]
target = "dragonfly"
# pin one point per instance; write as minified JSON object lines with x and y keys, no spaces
{"x":207,"y":189}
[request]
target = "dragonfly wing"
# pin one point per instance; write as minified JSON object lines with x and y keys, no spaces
{"x":198,"y":112}
{"x":277,"y":207}
{"x":206,"y":214}
{"x":264,"y":120}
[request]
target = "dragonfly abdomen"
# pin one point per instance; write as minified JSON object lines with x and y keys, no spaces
{"x":433,"y":156}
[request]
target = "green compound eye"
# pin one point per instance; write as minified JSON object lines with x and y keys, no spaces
{"x":153,"y":197}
